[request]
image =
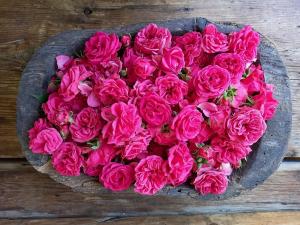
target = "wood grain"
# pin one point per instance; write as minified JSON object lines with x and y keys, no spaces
{"x":27,"y":194}
{"x":25,"y":25}
{"x":265,"y":218}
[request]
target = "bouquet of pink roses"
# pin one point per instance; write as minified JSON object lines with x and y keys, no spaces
{"x":156,"y":110}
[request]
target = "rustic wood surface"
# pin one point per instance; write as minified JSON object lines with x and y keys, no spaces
{"x":28,"y":197}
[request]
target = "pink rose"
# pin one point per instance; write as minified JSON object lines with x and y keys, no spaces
{"x":210,"y":181}
{"x":86,"y":126}
{"x":124,"y":124}
{"x":154,"y":110}
{"x":142,"y":88}
{"x":110,"y":91}
{"x":205,"y":133}
{"x":38,"y":126}
{"x":137,"y":145}
{"x":67,"y":160}
{"x":125,"y":40}
{"x":57,"y":110}
{"x":172,"y":60}
{"x":214,"y":41}
{"x":102,"y":47}
{"x":254,"y":82}
{"x":235,"y":96}
{"x":62,"y":60}
{"x":70,"y":81}
{"x":163,"y":135}
{"x":210,"y":82}
{"x":150,"y":175}
{"x":233,"y":63}
{"x":191,"y":45}
{"x":246,"y":126}
{"x":227,"y":151}
{"x":187,"y":123}
{"x":180,"y":164}
{"x":46,"y":141}
{"x":244,"y":43}
{"x":151,"y":40}
{"x":110,"y":68}
{"x":171,"y":88}
{"x":265,"y":102}
{"x":140,"y":68}
{"x":117,"y":176}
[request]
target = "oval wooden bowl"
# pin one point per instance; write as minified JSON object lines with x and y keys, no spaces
{"x":261,"y":163}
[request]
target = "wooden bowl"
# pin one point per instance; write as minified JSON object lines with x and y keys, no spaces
{"x":261,"y":163}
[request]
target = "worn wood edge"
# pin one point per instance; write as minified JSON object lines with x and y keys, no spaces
{"x":240,"y":179}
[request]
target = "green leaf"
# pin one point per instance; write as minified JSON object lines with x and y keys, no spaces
{"x":123,"y":73}
{"x":41,"y":98}
{"x":94,"y":144}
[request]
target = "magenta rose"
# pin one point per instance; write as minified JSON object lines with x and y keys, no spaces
{"x":46,"y":141}
{"x":205,"y":133}
{"x":123,"y":125}
{"x":172,"y":60}
{"x":142,"y":88}
{"x":137,"y":145}
{"x":117,"y":176}
{"x":171,"y":88}
{"x":101,"y":47}
{"x":70,"y":81}
{"x":140,"y":68}
{"x":254,"y":82}
{"x":57,"y":110}
{"x":125,"y":40}
{"x":227,"y":151}
{"x":233,"y":63}
{"x":191,"y":45}
{"x":180,"y":164}
{"x":214,"y":41}
{"x":110,"y":91}
{"x":151,"y":40}
{"x":210,"y":181}
{"x":67,"y":160}
{"x":245,"y":43}
{"x":210,"y":82}
{"x":38,"y":126}
{"x":187,"y":123}
{"x":150,"y":175}
{"x":246,"y":126}
{"x":154,"y":110}
{"x":163,"y":135}
{"x":265,"y":102}
{"x":110,"y":68}
{"x":86,"y":126}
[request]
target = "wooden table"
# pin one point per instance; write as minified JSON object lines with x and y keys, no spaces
{"x":28,"y":197}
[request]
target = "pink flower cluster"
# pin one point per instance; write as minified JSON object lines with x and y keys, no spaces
{"x":156,"y":110}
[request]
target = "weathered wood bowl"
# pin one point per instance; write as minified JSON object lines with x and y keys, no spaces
{"x":262,"y":162}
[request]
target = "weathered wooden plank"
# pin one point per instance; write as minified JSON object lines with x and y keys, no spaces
{"x":36,"y":21}
{"x":265,"y":218}
{"x":26,"y":193}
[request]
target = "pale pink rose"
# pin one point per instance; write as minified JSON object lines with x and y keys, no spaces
{"x":125,"y":124}
{"x":140,"y":68}
{"x":110,"y":91}
{"x":38,"y":126}
{"x":187,"y":123}
{"x":210,"y":82}
{"x":245,"y":43}
{"x":150,"y":175}
{"x":246,"y":126}
{"x":67,"y":160}
{"x":125,"y":40}
{"x":137,"y":145}
{"x":163,"y":135}
{"x":151,"y":40}
{"x":233,"y":63}
{"x":154,"y":110}
{"x":191,"y":45}
{"x":265,"y":102}
{"x":61,"y":60}
{"x":227,"y":151}
{"x":180,"y":164}
{"x":210,"y":181}
{"x":86,"y":126}
{"x":57,"y":110}
{"x":171,"y":88}
{"x":213,"y":40}
{"x":102,"y":47}
{"x":46,"y":141}
{"x":172,"y":60}
{"x":68,"y":88}
{"x":117,"y":176}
